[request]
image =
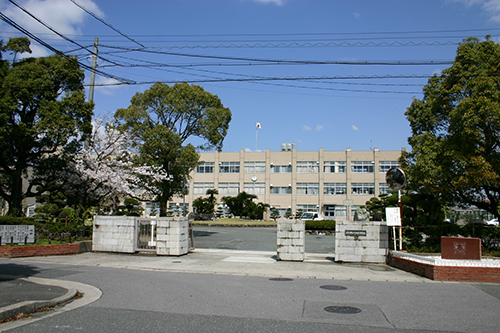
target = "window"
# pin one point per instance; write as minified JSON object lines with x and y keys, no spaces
{"x":340,"y":211}
{"x":255,"y":188}
{"x":178,"y":209}
{"x":255,"y":167}
{"x":334,"y":166}
{"x":205,"y":167}
{"x":362,"y":167}
{"x":229,"y":167}
{"x":335,"y":188}
{"x":201,"y":188}
{"x":384,"y":166}
{"x":363,"y":188}
{"x":383,"y":188}
{"x":281,"y":190}
{"x":307,"y":208}
{"x":307,"y":167}
{"x":152,"y":208}
{"x":229,"y":188}
{"x":308,"y":188}
{"x":330,"y":212}
{"x":281,"y":168}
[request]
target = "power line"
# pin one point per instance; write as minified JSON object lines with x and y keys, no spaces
{"x":58,"y":52}
{"x":105,"y":23}
{"x":281,"y":61}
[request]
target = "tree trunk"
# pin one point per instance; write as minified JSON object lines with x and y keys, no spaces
{"x":15,"y":200}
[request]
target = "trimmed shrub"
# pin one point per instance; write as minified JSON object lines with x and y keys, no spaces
{"x":320,"y":225}
{"x":12,"y":220}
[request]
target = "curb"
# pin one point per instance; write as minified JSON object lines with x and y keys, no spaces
{"x":90,"y":295}
{"x":33,"y":306}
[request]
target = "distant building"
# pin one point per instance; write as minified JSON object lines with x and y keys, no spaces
{"x":327,"y":182}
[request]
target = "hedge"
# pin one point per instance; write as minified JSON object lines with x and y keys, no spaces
{"x":320,"y":225}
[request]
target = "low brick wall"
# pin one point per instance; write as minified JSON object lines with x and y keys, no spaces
{"x":42,"y":250}
{"x":447,"y":273}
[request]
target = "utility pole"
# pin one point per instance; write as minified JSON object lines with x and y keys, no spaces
{"x":92,"y":74}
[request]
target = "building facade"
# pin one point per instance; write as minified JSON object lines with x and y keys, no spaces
{"x":332,"y":183}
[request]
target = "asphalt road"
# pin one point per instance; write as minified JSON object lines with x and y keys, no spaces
{"x":256,"y":239}
{"x":152,"y":301}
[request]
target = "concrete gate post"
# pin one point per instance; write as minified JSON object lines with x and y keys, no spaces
{"x":291,"y":240}
{"x":361,"y":241}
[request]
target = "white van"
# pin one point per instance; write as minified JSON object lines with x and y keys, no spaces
{"x":311,"y":216}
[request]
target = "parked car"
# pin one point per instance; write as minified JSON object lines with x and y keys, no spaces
{"x":311,"y":216}
{"x":492,"y":222}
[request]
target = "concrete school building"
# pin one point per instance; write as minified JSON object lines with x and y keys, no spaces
{"x":331,"y":183}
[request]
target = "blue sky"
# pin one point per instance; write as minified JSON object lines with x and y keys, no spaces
{"x":317,"y":73}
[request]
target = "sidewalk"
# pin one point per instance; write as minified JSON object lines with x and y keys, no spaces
{"x":21,"y":294}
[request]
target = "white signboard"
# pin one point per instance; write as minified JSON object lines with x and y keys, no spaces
{"x":393,"y":216}
{"x":17,"y":234}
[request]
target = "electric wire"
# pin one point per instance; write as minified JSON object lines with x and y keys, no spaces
{"x":105,"y":23}
{"x":58,"y":52}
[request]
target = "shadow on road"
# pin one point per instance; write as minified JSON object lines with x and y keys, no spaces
{"x":16,"y":271}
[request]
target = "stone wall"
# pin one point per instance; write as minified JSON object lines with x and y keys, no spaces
{"x":118,"y":234}
{"x":361,"y":241}
{"x":113,"y":234}
{"x":291,"y":240}
{"x":172,"y":236}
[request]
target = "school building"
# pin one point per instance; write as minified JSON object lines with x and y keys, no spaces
{"x":332,"y":183}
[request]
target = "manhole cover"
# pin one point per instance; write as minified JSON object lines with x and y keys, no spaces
{"x":342,"y":309}
{"x":280,"y":279}
{"x":332,"y":287}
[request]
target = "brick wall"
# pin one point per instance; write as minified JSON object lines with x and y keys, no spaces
{"x":39,"y":250}
{"x":448,"y":273}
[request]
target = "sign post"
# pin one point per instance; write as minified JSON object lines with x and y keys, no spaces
{"x":396,"y":180}
{"x":393,"y":216}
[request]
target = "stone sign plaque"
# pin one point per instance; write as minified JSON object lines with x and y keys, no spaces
{"x":355,"y":233}
{"x":461,"y":248}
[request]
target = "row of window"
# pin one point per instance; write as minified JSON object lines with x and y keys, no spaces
{"x":302,"y":188}
{"x":302,"y":167}
{"x":330,"y":211}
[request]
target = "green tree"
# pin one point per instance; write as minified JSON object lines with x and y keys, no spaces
{"x":130,"y":207}
{"x":206,"y":205}
{"x":161,"y":120}
{"x":275,"y":214}
{"x":243,"y":205}
{"x":455,"y":142}
{"x":43,"y":118}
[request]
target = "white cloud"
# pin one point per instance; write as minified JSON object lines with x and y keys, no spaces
{"x":319,"y":127}
{"x":490,"y":6}
{"x":61,"y":15}
{"x":356,"y":15}
{"x":306,"y":128}
{"x":355,"y":128}
{"x":276,"y":2}
{"x":106,"y":85}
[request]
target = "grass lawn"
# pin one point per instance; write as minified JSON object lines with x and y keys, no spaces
{"x":236,"y":222}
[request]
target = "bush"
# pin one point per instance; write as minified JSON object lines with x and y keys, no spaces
{"x":320,"y":225}
{"x":12,"y":220}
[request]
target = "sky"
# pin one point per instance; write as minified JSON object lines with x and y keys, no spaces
{"x":331,"y":74}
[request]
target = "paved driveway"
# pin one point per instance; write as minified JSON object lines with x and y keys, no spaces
{"x":257,"y":239}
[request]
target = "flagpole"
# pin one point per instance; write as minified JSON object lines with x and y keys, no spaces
{"x":256,"y":131}
{"x":257,"y":127}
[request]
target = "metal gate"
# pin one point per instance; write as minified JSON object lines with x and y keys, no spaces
{"x":145,"y":231}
